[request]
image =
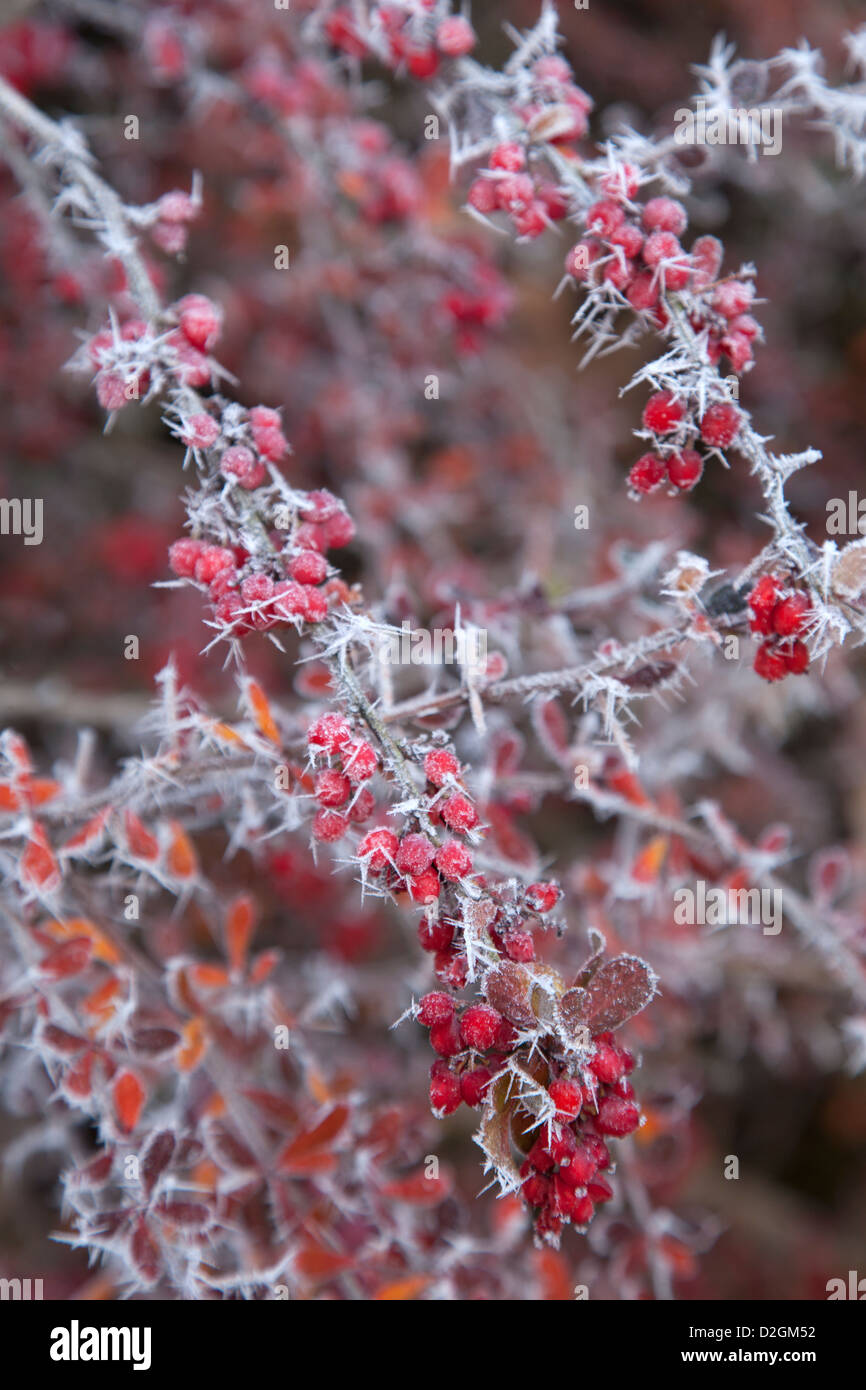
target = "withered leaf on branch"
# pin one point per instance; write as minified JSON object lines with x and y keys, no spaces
{"x":509,"y":989}
{"x":617,"y":991}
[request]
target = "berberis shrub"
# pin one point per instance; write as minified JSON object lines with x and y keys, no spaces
{"x":323,"y":892}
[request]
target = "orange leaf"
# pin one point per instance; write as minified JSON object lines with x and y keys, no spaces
{"x":648,"y":863}
{"x":403,"y":1289}
{"x":38,"y":865}
{"x":418,"y":1189}
{"x":87,"y":835}
{"x":41,"y":789}
{"x":103,"y":949}
{"x":210,"y":976}
{"x":227,"y":733}
{"x":240,"y":924}
{"x":263,"y":965}
{"x":262,"y":712}
{"x":191,"y":1050}
{"x":553,"y":1276}
{"x":140,"y":841}
{"x":96,"y":1002}
{"x":181,"y":858}
{"x":128,"y":1100}
{"x":319,"y":1137}
{"x":316,"y":1262}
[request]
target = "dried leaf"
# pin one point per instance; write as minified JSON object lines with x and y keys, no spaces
{"x":508,"y":988}
{"x":157,"y":1157}
{"x":128,"y":1100}
{"x":619,"y":989}
{"x":39,"y":868}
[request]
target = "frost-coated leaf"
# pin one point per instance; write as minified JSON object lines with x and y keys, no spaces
{"x":618,"y":990}
{"x":494,"y":1140}
{"x":509,"y":989}
{"x":157,"y":1157}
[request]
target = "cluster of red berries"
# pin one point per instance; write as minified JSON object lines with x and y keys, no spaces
{"x":256,"y":601}
{"x":340,"y":789}
{"x":506,"y":186}
{"x":417,"y":865}
{"x":563,"y":1171}
{"x":171,"y":229}
{"x":780,"y":616}
{"x":681,"y":466}
{"x":417,"y":47}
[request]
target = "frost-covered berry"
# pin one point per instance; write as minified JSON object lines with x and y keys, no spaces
{"x":791,"y":615}
{"x":720,"y":425}
{"x":211,"y":560}
{"x":455,"y":37}
{"x":621,"y":182}
{"x":665,"y":215}
{"x":509,"y":156}
{"x":732,"y":298}
{"x":328,"y":826}
{"x":330,"y":732}
{"x":435,"y":1007}
{"x":607,"y":1063}
{"x":543,"y":897}
{"x":685,"y":469}
{"x":520,"y":945}
{"x":111,"y":391}
{"x":661,"y":246}
{"x":796,"y":657}
{"x":308,"y":567}
{"x":437,"y":935}
{"x":474,"y":1084}
{"x":459,"y":814}
{"x":763,"y":601}
{"x":629,"y":237}
{"x":257,"y":588}
{"x":359,"y":760}
{"x":770,"y":662}
{"x":440,"y":765}
{"x":378,"y":848}
{"x":183,"y":556}
{"x":663,"y":412}
{"x":453,"y":861}
{"x":415,"y":854}
{"x":332,"y":789}
{"x":362,"y":806}
{"x":315,"y":603}
{"x":200,"y":431}
{"x":604,"y":217}
{"x":337,"y":531}
{"x":514,"y":192}
{"x":479,"y":1026}
{"x":290,"y":600}
{"x":482,"y":196}
{"x":647,"y":474}
{"x":445,"y":1038}
{"x":200,"y":321}
{"x":643,"y":292}
{"x":240,"y":463}
{"x":706,"y":254}
{"x":617,"y":1116}
{"x":567,"y":1096}
{"x":425,"y":887}
{"x":444,"y":1092}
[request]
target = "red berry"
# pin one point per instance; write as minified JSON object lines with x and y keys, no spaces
{"x":200,"y":321}
{"x":607,"y":1063}
{"x":459,"y":814}
{"x":796,"y":657}
{"x":332,"y":789}
{"x":706,"y":254}
{"x":439,"y":766}
{"x":580,"y":1167}
{"x":536,"y":1190}
{"x":328,"y":826}
{"x":598,"y":1189}
{"x":451,"y":967}
{"x":790,"y":615}
{"x":183,"y":556}
{"x":661,"y":246}
{"x":616,"y":1116}
{"x":567,"y":1096}
{"x":338,"y":531}
{"x":543,"y":897}
{"x":621,"y":182}
{"x":359,"y":760}
{"x":445,"y":1038}
{"x":474,"y":1084}
{"x":111,"y":391}
{"x":425,"y":887}
{"x":444,"y":1093}
{"x":720,"y":425}
{"x":290,"y":600}
{"x":212,"y":559}
{"x":763,"y":601}
{"x":378,"y":848}
{"x":437,"y":936}
{"x":257,"y":588}
{"x":201,"y":431}
{"x":415,"y":854}
{"x":510,"y":157}
{"x":531,"y":221}
{"x":435,"y":1008}
{"x":330,"y":732}
{"x":482,"y":196}
{"x":732,"y":298}
{"x":240,"y":463}
{"x":647,"y":474}
{"x":629,"y":237}
{"x":271,"y":444}
{"x":423,"y":63}
{"x":479,"y":1026}
{"x":514,"y":192}
{"x":455,"y":37}
{"x":580,"y":258}
{"x":520,"y":945}
{"x":643,"y":292}
{"x":604,"y":217}
{"x":453,"y":861}
{"x":663,"y":412}
{"x":665,"y":215}
{"x":362,"y":806}
{"x":685,"y":469}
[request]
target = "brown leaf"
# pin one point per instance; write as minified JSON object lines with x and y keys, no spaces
{"x":509,"y":989}
{"x":618,"y":990}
